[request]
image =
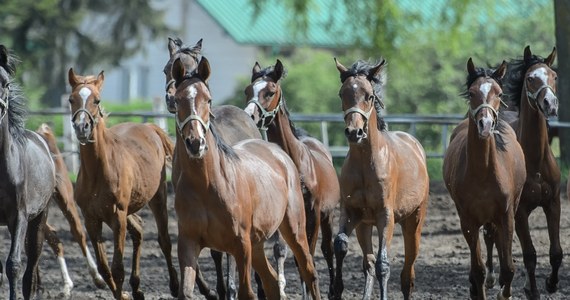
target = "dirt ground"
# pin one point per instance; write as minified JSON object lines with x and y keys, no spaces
{"x":441,"y":269}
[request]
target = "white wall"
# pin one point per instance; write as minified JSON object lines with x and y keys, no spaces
{"x":142,"y":77}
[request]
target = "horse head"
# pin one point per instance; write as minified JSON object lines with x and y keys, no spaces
{"x":189,"y":57}
{"x":84,"y":101}
{"x":540,"y":83}
{"x":193,"y":105}
{"x":361,"y":94}
{"x":264,"y":95}
{"x":484,"y":94}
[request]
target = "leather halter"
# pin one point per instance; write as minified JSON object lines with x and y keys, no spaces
{"x":532,"y":97}
{"x":265,"y":114}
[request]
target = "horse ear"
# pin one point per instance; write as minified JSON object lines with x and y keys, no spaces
{"x":376,"y":69}
{"x":527,"y":54}
{"x":198,"y":47}
{"x":278,"y":71}
{"x":3,"y":57}
{"x":72,"y":78}
{"x":339,"y":66}
{"x":470,"y":66}
{"x":204,"y":69}
{"x":172,"y":47}
{"x":178,"y":70}
{"x":550,"y":59}
{"x":256,"y":68}
{"x":100,"y":80}
{"x":501,"y":71}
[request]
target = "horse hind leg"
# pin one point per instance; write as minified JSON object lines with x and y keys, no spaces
{"x":412,"y":231}
{"x":364,"y":236}
{"x":552,"y":212}
{"x":280,"y":254}
{"x":34,"y":243}
{"x":489,"y":232}
{"x":268,"y":276}
{"x":160,"y":212}
{"x":57,"y":247}
{"x":134,"y":227}
{"x":529,"y":252}
{"x":18,"y":230}
{"x":327,"y":248}
{"x":504,"y":240}
{"x":299,"y":244}
{"x":477,"y":269}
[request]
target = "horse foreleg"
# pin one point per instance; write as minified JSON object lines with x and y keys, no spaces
{"x":160,"y":213}
{"x":327,"y":248}
{"x":364,"y":236}
{"x":477,"y":271}
{"x":134,"y":226}
{"x":529,"y":252}
{"x":243,"y":262}
{"x":504,"y":242}
{"x":119,"y":227}
{"x":346,"y":226}
{"x":221,"y":288}
{"x":18,"y":230}
{"x":231,"y":272}
{"x":34,"y":243}
{"x":552,"y":212}
{"x":57,"y":248}
{"x":188,"y":252}
{"x":489,"y":232}
{"x":385,"y":226}
{"x":94,"y":228}
{"x":412,"y":231}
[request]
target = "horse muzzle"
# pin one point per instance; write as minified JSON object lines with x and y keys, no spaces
{"x":170,"y":104}
{"x":550,"y":106}
{"x":355,"y":134}
{"x":485,"y":127}
{"x":83,"y":131}
{"x":195,"y":147}
{"x":253,"y":112}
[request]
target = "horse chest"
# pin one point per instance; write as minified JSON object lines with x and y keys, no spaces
{"x":537,"y":190}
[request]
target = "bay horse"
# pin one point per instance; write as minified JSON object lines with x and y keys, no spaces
{"x":64,"y":199}
{"x":383,"y":181}
{"x":484,"y":172}
{"x":232,"y":198}
{"x":233,"y":125}
{"x":321,"y":192}
{"x":27,"y":182}
{"x":531,"y":85}
{"x":123,"y":168}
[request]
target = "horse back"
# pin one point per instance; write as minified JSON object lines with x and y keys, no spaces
{"x":234,"y":124}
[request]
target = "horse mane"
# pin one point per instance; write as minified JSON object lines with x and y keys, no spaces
{"x":17,"y":103}
{"x":378,"y":81}
{"x":501,"y":125}
{"x":514,"y":79}
{"x":221,"y":145}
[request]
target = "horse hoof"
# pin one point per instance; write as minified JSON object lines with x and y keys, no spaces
{"x":550,"y":286}
{"x":98,"y":280}
{"x":490,"y":281}
{"x":211,"y":295}
{"x":125,"y":296}
{"x":500,"y":296}
{"x":529,"y":295}
{"x":174,"y":290}
{"x":138,"y":295}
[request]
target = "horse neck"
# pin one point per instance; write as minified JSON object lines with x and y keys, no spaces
{"x":202,"y":172}
{"x":281,"y":133}
{"x":6,"y":140}
{"x":532,"y":132}
{"x":94,"y":155}
{"x":481,"y":153}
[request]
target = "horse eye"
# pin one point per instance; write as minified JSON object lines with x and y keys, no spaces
{"x":96,"y":101}
{"x":371,"y":97}
{"x":530,"y":79}
{"x":471,"y":94}
{"x":500,"y":95}
{"x":70,"y":100}
{"x":269,"y":94}
{"x":210,"y":102}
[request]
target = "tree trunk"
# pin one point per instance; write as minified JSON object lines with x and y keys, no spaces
{"x":562,"y":24}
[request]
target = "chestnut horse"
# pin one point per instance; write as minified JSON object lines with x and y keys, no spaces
{"x":383,"y":181}
{"x":64,"y":198}
{"x":484,"y":172}
{"x":233,"y":125}
{"x":122,"y":169}
{"x":27,"y":183}
{"x":232,"y":198}
{"x":531,"y":86}
{"x":266,"y":105}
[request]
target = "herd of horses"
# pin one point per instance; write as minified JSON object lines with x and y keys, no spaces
{"x":243,"y":176}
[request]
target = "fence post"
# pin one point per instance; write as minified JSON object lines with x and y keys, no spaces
{"x":158,"y":107}
{"x":69,"y":144}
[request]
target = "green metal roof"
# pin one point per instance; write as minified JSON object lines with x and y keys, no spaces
{"x":273,"y":26}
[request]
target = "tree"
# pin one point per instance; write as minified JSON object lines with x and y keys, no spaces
{"x":562,"y":19}
{"x":49,"y":36}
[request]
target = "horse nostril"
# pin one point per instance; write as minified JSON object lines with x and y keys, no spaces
{"x":346,"y":132}
{"x":188,"y":143}
{"x":360,"y":133}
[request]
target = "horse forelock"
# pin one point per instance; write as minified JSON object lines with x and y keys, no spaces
{"x":363,"y":68}
{"x":479,"y":72}
{"x":267,"y":72}
{"x":514,"y":79}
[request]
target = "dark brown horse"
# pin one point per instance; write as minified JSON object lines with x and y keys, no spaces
{"x":484,"y":172}
{"x":383,"y":181}
{"x":232,"y":198}
{"x":266,"y":104}
{"x":64,"y":199}
{"x":27,"y":183}
{"x":233,"y":125}
{"x":531,"y":86}
{"x":123,"y":168}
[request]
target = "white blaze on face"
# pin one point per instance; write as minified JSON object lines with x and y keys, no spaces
{"x":354,"y":87}
{"x":485,"y":88}
{"x":84,"y":93}
{"x":192,"y":92}
{"x":257,"y":87}
{"x":541,"y":74}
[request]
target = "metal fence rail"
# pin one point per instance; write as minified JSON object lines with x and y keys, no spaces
{"x":324,"y":121}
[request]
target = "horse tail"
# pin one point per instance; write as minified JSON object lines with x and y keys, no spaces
{"x":167,"y":143}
